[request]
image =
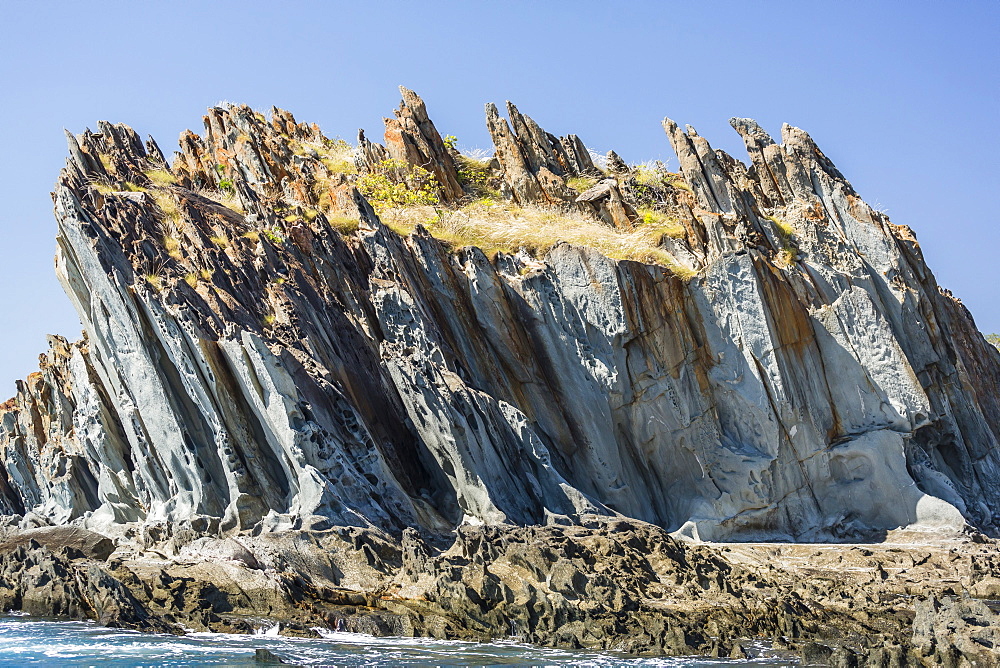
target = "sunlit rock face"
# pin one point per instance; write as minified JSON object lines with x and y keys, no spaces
{"x":249,"y":363}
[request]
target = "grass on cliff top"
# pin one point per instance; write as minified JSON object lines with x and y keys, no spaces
{"x":495,"y":227}
{"x":337,"y":155}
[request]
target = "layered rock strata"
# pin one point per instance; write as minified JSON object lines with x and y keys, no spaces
{"x":250,"y":363}
{"x":263,"y":354}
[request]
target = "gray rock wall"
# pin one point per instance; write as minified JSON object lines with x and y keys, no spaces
{"x":253,"y":369}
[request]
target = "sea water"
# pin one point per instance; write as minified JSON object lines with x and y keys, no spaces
{"x":25,"y":641}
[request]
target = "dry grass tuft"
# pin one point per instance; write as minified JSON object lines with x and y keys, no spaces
{"x":160,"y":177}
{"x":231,"y":201}
{"x":173,"y":247}
{"x":343,"y":224}
{"x":103,"y":187}
{"x":167,"y":204}
{"x":581,"y":183}
{"x":106,"y":162}
{"x":155,"y":282}
{"x":507,"y":228}
{"x":660,"y":223}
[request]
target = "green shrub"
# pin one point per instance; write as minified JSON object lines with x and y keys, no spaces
{"x":660,"y":223}
{"x":476,"y":175}
{"x":384,"y":191}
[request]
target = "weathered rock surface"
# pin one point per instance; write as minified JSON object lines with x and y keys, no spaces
{"x":250,"y":368}
{"x":603,"y":583}
{"x":412,"y":139}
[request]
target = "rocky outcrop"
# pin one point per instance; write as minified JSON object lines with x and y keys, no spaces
{"x":535,"y":164}
{"x":602,"y":583}
{"x":248,"y":363}
{"x":264,"y":356}
{"x":411,"y":139}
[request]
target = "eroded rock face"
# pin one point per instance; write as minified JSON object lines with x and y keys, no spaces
{"x":602,"y":583}
{"x":412,"y":139}
{"x":248,"y":366}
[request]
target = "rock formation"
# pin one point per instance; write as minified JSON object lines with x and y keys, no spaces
{"x":263,"y":354}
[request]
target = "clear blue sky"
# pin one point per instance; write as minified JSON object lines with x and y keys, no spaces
{"x":902,"y":96}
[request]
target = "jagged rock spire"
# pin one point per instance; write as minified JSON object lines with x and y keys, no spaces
{"x":412,"y":139}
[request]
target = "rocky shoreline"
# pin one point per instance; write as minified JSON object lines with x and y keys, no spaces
{"x":609,"y":584}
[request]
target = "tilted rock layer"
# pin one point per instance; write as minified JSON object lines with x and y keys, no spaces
{"x":796,"y":373}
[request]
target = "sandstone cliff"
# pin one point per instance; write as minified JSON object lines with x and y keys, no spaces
{"x":262,"y":351}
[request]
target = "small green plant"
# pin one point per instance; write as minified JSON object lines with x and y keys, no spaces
{"x":220,"y":169}
{"x":226,"y":186}
{"x":252,"y":235}
{"x":475,"y":175}
{"x":269,"y":320}
{"x":450,"y":142}
{"x":397,"y":184}
{"x":191,"y":279}
{"x":221,"y":242}
{"x":106,"y":162}
{"x":661,"y":223}
{"x":273,"y":235}
{"x":205,"y":274}
{"x":131,"y":187}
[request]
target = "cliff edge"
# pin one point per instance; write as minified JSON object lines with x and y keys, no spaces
{"x":289,"y":333}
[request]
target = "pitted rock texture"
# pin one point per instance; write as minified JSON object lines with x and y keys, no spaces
{"x":603,"y":583}
{"x":250,"y":365}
